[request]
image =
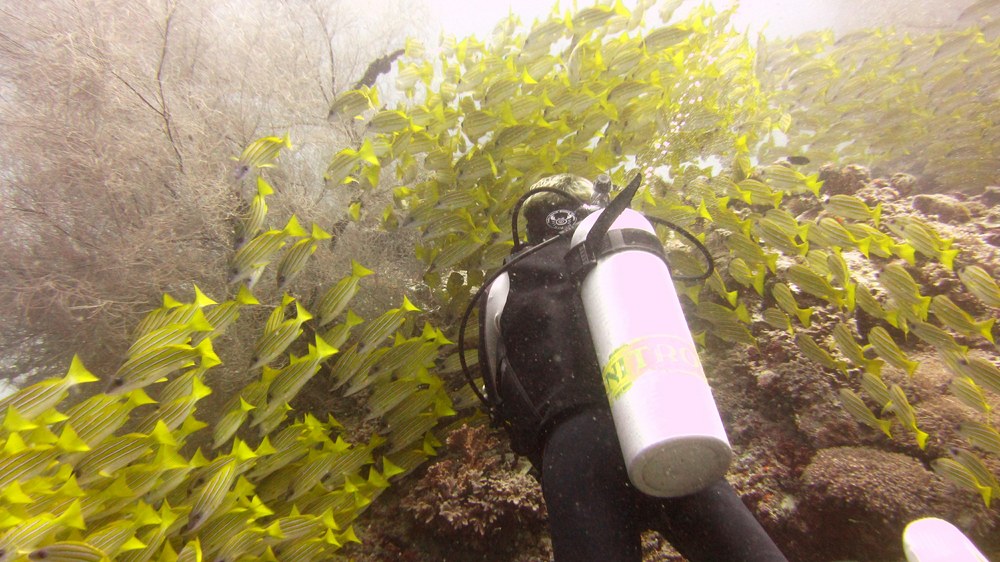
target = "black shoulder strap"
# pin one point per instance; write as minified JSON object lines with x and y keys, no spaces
{"x":595,"y":238}
{"x":585,"y":255}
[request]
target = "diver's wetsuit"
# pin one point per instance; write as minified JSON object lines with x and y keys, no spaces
{"x":596,"y":514}
{"x":557,"y":415}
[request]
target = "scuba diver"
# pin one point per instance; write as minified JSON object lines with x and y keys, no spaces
{"x":607,"y":473}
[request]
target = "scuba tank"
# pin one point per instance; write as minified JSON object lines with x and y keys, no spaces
{"x":671,"y":434}
{"x":672,"y":438}
{"x":935,"y":540}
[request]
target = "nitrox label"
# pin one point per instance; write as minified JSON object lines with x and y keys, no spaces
{"x":669,"y":354}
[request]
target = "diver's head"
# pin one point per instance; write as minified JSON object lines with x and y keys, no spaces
{"x":548,"y":213}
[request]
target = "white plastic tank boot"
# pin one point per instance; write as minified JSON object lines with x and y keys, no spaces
{"x":936,"y":540}
{"x":671,"y":434}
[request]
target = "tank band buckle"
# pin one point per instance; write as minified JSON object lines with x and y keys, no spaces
{"x":582,"y":257}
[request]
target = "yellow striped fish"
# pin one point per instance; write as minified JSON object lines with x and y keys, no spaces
{"x":870,"y":304}
{"x":101,"y":415}
{"x":211,"y":495}
{"x":981,"y":435}
{"x":966,"y":390}
{"x":289,"y":380}
{"x":957,"y":473}
{"x":808,"y":346}
{"x":294,"y":260}
{"x":901,"y":407}
{"x":887,"y":349}
{"x":118,"y":452}
{"x":336,"y":298}
{"x":260,"y":154}
{"x":740,"y":271}
{"x":144,"y":369}
{"x":172,"y":312}
{"x":69,"y":551}
{"x":191,"y":552}
{"x":302,"y":551}
{"x":978,"y":469}
{"x":857,"y":408}
{"x":117,"y":536}
{"x":380,"y":328}
{"x":223,"y":315}
{"x":844,"y":338}
{"x":272,"y":344}
{"x":786,"y":301}
{"x":953,"y":316}
{"x":21,"y":466}
{"x":925,"y":240}
{"x":876,"y":389}
{"x":851,"y":207}
{"x":230,"y":422}
{"x":904,"y":290}
{"x":808,"y":281}
{"x":981,"y":284}
{"x":253,"y":222}
{"x":28,"y":534}
{"x":33,"y":401}
{"x":778,"y":319}
{"x":289,"y":447}
{"x":177,"y":411}
{"x":936,"y":337}
{"x":261,"y":250}
{"x":171,"y":334}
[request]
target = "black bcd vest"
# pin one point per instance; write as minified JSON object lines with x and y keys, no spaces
{"x":546,"y":364}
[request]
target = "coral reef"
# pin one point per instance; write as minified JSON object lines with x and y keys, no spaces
{"x":475,"y":502}
{"x":807,"y":469}
{"x":477,"y":495}
{"x":868,"y":495}
{"x":945,"y":208}
{"x":843,"y":181}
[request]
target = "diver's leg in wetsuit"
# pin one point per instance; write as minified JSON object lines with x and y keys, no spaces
{"x":593,"y":514}
{"x":596,"y":514}
{"x":712,"y":525}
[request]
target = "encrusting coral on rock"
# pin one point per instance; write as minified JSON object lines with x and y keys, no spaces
{"x":476,"y":496}
{"x":869,"y":495}
{"x":810,"y":472}
{"x":475,"y":502}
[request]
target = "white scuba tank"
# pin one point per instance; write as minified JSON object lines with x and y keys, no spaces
{"x":671,"y":434}
{"x":935,"y":540}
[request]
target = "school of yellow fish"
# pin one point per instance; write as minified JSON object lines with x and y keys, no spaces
{"x":75,"y":487}
{"x":587,"y":92}
{"x":853,"y":97}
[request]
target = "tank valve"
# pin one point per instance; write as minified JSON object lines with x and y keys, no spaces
{"x":602,"y":188}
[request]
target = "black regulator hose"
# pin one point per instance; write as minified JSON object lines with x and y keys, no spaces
{"x":709,"y":260}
